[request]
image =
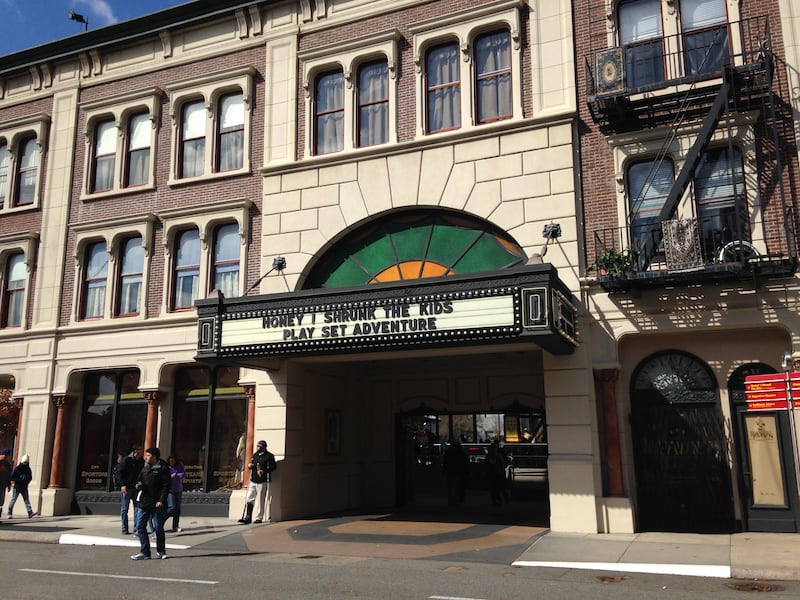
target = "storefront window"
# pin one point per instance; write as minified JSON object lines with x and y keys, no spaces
{"x":115,"y":417}
{"x":226,"y":414}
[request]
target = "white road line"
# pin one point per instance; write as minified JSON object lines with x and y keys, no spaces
{"x":451,"y":598}
{"x":109,"y":576}
{"x":721,"y":571}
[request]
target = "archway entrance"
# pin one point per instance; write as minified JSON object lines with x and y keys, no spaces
{"x":680,"y":448}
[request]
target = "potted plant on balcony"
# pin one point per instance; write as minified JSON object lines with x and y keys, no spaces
{"x":614,"y":263}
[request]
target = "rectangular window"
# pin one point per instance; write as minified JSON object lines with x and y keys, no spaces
{"x":95,"y":279}
{"x":329,"y":113}
{"x":130,"y":277}
{"x":187,"y":269}
{"x":105,"y":150}
{"x":641,"y":37}
{"x":193,"y":139}
{"x":443,"y":84}
{"x":226,"y":260}
{"x":493,"y":77}
{"x":230,"y":143}
{"x":27,"y":171}
{"x":14,"y":291}
{"x":373,"y":104}
{"x":649,"y":185}
{"x":4,"y":158}
{"x":138,"y":155}
{"x":720,"y":198}
{"x":705,"y":35}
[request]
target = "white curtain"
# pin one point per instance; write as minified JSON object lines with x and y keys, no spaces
{"x":194,"y":139}
{"x":444,"y":89}
{"x":373,"y":101}
{"x":28,"y":168}
{"x":697,"y":14}
{"x":131,"y":276}
{"x":105,"y":149}
{"x":187,"y":269}
{"x":330,"y":113}
{"x":639,"y":21}
{"x":493,"y":65}
{"x":226,"y":260}
{"x":139,"y":149}
{"x":3,"y":173}
{"x":231,"y":142}
{"x":16,"y":290}
{"x":96,"y":279}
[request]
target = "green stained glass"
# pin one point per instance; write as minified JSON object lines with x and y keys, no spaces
{"x":401,"y":244}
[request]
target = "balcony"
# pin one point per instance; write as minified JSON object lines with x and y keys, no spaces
{"x":691,"y":252}
{"x":646,"y":83}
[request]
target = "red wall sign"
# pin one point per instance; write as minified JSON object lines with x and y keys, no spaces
{"x":768,"y":392}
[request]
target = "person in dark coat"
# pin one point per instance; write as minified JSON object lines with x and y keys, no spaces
{"x":496,"y":462}
{"x":5,"y":476}
{"x":261,"y":467}
{"x":21,"y":476}
{"x":127,"y":472}
{"x":152,"y":489}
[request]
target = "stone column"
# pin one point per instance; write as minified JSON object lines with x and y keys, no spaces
{"x":59,"y":443}
{"x":606,"y":385}
{"x":250,"y":390}
{"x":18,"y":403}
{"x":152,"y":418}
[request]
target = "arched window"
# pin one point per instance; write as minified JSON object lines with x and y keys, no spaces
{"x":443,"y":84}
{"x":329,"y":113}
{"x":226,"y":259}
{"x":230,"y":135}
{"x":13,"y":291}
{"x":105,"y":151}
{"x":187,"y":268}
{"x":129,"y":285}
{"x":493,"y":77}
{"x":193,"y":139}
{"x":137,"y":160}
{"x":95,"y":280}
{"x":373,"y":103}
{"x":27,"y":171}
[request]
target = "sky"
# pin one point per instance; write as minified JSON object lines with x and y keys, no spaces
{"x":29,"y":23}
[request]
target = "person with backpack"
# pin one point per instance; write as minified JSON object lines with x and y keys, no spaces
{"x":127,"y":472}
{"x":21,"y":477}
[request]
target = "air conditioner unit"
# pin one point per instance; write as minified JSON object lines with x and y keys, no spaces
{"x":609,"y":71}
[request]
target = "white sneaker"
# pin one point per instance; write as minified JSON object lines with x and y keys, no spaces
{"x":140,"y":556}
{"x":160,"y":556}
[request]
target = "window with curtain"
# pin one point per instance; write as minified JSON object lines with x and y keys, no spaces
{"x":226,"y":259}
{"x":493,"y":77}
{"x":193,"y":139}
{"x":230,"y":142}
{"x":640,"y":31}
{"x":138,"y":151}
{"x":721,"y":199}
{"x":95,"y":278}
{"x":649,"y":184}
{"x":705,"y":35}
{"x":27,"y":170}
{"x":114,"y":418}
{"x":443,"y":85}
{"x":13,"y":291}
{"x":4,"y":158}
{"x":186,"y":269}
{"x":105,"y":150}
{"x":129,"y":285}
{"x":373,"y":103}
{"x":329,"y":113}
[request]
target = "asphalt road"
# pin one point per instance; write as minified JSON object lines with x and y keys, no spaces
{"x":225,"y":569}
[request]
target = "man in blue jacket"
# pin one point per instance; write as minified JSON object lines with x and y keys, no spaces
{"x":152,"y":488}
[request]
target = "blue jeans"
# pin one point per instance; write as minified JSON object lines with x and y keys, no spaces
{"x":174,"y":508}
{"x":158,"y":516}
{"x":15,"y":491}
{"x":127,"y":498}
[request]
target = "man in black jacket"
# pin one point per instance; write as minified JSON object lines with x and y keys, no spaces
{"x":152,"y":489}
{"x":261,"y":467}
{"x":127,"y":472}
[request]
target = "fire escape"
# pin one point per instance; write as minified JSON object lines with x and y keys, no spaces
{"x":709,"y":85}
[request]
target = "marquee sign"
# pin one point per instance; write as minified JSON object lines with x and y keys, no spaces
{"x":524,"y":304}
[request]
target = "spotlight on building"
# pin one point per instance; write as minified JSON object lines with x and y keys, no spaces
{"x":73,"y":16}
{"x":552,"y":231}
{"x":278,"y":264}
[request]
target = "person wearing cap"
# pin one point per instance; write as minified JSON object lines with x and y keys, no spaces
{"x":261,"y":467}
{"x":5,"y":475}
{"x":21,"y":477}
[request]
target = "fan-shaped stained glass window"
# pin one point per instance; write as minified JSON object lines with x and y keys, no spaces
{"x":415,"y":245}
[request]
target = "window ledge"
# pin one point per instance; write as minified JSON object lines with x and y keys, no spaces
{"x":208,"y":177}
{"x":120,"y":192}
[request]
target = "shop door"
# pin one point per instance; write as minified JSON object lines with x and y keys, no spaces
{"x":764,"y":459}
{"x":680,"y":449}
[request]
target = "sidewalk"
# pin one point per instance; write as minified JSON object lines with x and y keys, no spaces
{"x":739,"y":556}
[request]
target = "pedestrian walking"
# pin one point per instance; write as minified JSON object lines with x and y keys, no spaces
{"x":127,"y":472}
{"x":21,"y":476}
{"x":152,"y":488}
{"x":261,"y":467}
{"x":177,"y":472}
